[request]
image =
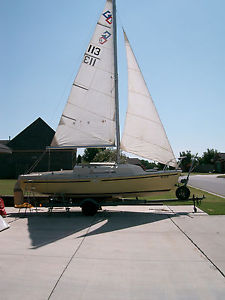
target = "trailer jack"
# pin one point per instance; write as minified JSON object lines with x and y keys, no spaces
{"x":197,"y":200}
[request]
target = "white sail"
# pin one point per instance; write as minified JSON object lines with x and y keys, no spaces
{"x":88,"y":118}
{"x":143,"y":134}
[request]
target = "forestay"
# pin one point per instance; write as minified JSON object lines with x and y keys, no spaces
{"x":144,"y":134}
{"x":88,"y":118}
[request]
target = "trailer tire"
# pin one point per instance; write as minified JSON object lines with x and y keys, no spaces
{"x":183,"y":193}
{"x":89,"y":207}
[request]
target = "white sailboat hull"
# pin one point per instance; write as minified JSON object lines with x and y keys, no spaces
{"x":99,"y":182}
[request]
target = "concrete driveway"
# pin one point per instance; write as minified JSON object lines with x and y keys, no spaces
{"x":124,"y":252}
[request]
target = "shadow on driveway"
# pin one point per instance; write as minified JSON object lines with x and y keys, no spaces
{"x":47,"y":228}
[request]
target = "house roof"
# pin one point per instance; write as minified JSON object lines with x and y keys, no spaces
{"x":4,"y":142}
{"x":36,"y":136}
{"x":134,"y":161}
{"x":4,"y":149}
{"x":221,"y":156}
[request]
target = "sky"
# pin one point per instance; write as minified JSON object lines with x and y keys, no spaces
{"x":179,"y":45}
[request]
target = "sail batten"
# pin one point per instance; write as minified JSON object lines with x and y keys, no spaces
{"x":89,"y":115}
{"x":144,"y":134}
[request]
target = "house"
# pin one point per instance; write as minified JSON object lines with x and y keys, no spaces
{"x":4,"y":148}
{"x":28,"y":147}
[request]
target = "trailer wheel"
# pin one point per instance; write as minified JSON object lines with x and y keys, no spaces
{"x":183,"y":193}
{"x":89,"y":207}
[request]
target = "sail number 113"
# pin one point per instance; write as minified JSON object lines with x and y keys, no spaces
{"x":91,"y":55}
{"x":94,"y":50}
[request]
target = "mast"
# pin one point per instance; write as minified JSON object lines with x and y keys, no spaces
{"x":116,"y":84}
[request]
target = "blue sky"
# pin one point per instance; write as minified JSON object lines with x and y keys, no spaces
{"x":179,"y":44}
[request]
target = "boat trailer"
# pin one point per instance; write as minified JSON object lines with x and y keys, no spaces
{"x":90,"y":206}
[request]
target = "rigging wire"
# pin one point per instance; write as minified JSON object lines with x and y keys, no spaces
{"x":36,"y":163}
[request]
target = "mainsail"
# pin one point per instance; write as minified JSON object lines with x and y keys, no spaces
{"x":88,"y":118}
{"x":144,"y":134}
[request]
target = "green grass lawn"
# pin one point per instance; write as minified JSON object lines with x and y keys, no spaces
{"x":212,"y":205}
{"x":7,"y":186}
{"x":221,"y":176}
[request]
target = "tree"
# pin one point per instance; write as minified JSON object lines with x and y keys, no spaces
{"x":208,"y":157}
{"x":148,"y":165}
{"x":90,"y":153}
{"x":108,"y":155}
{"x":79,"y":158}
{"x":186,"y":161}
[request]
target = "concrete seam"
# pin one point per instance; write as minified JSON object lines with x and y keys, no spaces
{"x":203,"y":253}
{"x":16,"y":219}
{"x":67,"y":265}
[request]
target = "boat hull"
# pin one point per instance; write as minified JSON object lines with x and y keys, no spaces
{"x":110,"y":185}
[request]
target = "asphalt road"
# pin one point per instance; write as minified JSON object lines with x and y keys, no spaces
{"x":208,"y":183}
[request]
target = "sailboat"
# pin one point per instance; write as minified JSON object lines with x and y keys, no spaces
{"x":91,"y":119}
